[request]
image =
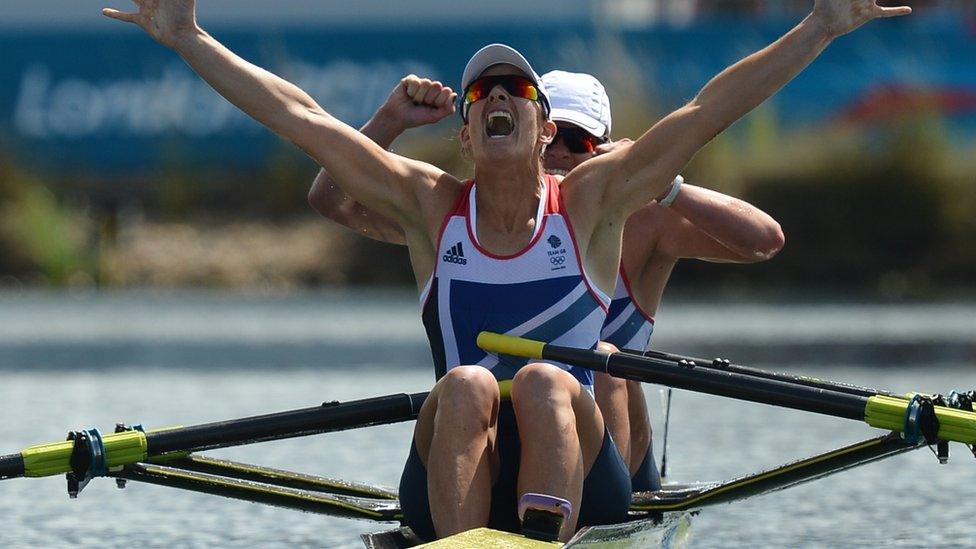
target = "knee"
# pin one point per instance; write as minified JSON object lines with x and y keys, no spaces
{"x":469,"y":390}
{"x":540,"y":384}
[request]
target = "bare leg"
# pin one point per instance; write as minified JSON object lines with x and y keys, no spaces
{"x":612,"y":398}
{"x":455,"y":438}
{"x":625,"y":412}
{"x":561,"y":430}
{"x":640,"y":425}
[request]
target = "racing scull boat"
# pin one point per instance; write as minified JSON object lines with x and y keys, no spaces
{"x":167,"y":456}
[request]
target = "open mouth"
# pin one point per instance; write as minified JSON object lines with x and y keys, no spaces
{"x":499,"y":124}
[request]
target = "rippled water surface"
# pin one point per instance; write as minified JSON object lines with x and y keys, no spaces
{"x":163,"y":360}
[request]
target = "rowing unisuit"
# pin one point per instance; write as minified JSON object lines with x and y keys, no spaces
{"x":627,"y":325}
{"x":541,"y":292}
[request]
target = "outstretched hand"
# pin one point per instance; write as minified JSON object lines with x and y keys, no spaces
{"x":165,"y":20}
{"x":418,"y":101}
{"x":843,"y":16}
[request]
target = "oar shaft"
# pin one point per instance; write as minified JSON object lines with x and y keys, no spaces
{"x":295,"y":423}
{"x":909,"y":416}
{"x":702,"y":380}
{"x":133,"y":446}
{"x":11,"y":465}
{"x":729,"y":384}
{"x":756,"y":372}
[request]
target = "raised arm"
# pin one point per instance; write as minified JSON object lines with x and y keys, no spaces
{"x":704,"y":224}
{"x":384,"y":181}
{"x":640,"y":173}
{"x":413,"y":102}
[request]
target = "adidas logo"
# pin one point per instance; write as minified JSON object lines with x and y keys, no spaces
{"x":455,"y":255}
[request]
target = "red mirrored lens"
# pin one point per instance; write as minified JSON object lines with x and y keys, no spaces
{"x":515,"y":85}
{"x":577,"y":140}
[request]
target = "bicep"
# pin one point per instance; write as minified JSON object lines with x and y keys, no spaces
{"x":381,"y":181}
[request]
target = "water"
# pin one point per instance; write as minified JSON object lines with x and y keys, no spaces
{"x":69,"y":362}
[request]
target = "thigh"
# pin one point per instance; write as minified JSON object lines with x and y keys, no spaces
{"x":473,"y":383}
{"x":541,"y":384}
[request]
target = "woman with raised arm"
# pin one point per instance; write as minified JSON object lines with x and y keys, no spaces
{"x":695,"y":223}
{"x":509,"y":251}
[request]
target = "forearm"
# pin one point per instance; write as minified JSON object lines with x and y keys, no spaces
{"x":274,"y":102}
{"x":744,"y":229}
{"x":743,"y":86}
{"x":374,"y":177}
{"x":652,"y":162}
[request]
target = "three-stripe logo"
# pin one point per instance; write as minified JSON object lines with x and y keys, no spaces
{"x":455,"y":255}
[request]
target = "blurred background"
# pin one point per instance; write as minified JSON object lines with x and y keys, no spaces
{"x":159,"y":261}
{"x":119,"y":168}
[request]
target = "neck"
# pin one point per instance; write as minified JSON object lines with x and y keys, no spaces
{"x":508,"y":196}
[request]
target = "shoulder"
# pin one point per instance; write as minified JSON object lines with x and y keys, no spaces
{"x":584,"y":185}
{"x":433,"y":191}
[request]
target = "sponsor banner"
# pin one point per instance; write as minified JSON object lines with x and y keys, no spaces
{"x":117,"y":101}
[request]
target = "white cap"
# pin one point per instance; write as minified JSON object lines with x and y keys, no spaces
{"x":579,"y":99}
{"x":498,"y":54}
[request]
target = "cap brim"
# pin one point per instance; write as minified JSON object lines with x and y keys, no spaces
{"x":587,"y":123}
{"x":495,"y":54}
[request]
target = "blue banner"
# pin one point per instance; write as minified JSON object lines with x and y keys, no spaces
{"x":116,"y":101}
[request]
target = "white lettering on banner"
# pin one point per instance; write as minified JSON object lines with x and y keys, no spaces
{"x":178,"y":101}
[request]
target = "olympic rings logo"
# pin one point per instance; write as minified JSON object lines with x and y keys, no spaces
{"x":557,"y":260}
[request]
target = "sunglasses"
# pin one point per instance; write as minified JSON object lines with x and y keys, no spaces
{"x":516,"y":85}
{"x":578,"y":140}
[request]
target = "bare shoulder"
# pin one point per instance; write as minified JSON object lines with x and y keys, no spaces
{"x":584,"y":186}
{"x":435,"y":191}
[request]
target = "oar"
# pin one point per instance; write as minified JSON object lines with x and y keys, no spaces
{"x":664,"y":445}
{"x":726,"y":365}
{"x":90,"y":453}
{"x":914,"y":417}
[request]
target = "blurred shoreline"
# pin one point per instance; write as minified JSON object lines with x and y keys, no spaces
{"x":883,"y":217}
